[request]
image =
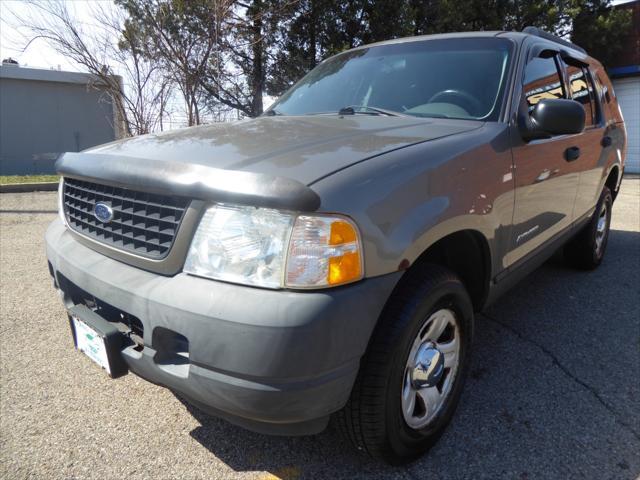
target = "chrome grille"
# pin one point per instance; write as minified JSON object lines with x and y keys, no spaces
{"x":143,"y":223}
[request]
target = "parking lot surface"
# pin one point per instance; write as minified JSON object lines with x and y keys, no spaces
{"x":554,"y":390}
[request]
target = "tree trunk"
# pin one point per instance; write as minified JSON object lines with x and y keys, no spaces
{"x":312,"y":35}
{"x":257,"y":75}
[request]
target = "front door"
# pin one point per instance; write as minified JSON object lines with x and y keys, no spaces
{"x":546,"y":172}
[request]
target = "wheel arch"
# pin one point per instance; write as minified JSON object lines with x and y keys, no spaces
{"x":613,"y":179}
{"x":468,"y":255}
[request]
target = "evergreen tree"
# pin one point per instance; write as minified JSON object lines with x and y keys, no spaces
{"x":600,"y":29}
{"x":234,"y":52}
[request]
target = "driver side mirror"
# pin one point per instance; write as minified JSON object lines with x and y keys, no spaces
{"x":550,"y":117}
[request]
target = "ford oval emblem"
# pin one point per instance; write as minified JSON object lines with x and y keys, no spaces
{"x":103,"y":212}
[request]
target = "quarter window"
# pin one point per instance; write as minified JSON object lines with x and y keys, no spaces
{"x":605,"y":90}
{"x":542,"y":81}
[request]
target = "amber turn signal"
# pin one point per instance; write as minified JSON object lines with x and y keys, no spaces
{"x":324,"y":251}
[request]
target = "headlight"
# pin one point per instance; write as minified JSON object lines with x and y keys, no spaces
{"x":275,"y":249}
{"x":241,"y":245}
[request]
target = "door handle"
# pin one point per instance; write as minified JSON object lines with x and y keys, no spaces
{"x":571,"y":154}
{"x":606,"y":141}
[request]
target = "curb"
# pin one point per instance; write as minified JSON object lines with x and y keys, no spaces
{"x":29,"y":187}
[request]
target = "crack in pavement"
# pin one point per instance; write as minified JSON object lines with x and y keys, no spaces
{"x":567,"y":372}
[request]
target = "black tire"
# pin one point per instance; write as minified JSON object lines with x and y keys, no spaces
{"x":584,"y":251}
{"x":372,"y":419}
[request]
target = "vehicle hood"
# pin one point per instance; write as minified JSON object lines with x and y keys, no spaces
{"x":303,"y":149}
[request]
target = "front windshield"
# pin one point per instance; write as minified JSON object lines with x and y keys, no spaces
{"x":450,"y":78}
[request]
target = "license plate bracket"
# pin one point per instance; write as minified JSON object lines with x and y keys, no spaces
{"x":97,"y":338}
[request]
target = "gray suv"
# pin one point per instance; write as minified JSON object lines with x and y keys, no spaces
{"x":327,"y":258}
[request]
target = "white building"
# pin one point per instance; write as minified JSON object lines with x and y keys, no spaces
{"x":625,"y":76}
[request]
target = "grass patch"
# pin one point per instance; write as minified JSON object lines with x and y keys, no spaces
{"x":10,"y":179}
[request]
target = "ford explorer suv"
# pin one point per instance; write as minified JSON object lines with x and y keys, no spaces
{"x":327,"y":258}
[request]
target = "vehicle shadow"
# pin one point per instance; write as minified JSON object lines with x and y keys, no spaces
{"x":552,"y":393}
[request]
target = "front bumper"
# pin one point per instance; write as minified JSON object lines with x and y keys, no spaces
{"x":273,"y":361}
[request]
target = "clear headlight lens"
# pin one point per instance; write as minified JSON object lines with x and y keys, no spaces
{"x":275,"y":249}
{"x":241,"y":245}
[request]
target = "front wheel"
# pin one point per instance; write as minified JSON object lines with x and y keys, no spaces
{"x":412,"y":375}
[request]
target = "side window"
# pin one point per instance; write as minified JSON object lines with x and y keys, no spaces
{"x":541,"y":81}
{"x":582,"y":92}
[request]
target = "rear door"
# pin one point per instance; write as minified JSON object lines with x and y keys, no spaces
{"x":595,"y":145}
{"x":546,"y":174}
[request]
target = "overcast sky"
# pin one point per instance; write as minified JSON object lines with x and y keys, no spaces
{"x":39,"y":54}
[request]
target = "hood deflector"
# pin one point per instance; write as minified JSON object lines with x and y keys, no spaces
{"x":190,"y":180}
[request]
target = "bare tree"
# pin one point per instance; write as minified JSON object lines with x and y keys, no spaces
{"x":108,"y":50}
{"x":249,"y":44}
{"x":147,"y":88}
{"x":185,"y":37}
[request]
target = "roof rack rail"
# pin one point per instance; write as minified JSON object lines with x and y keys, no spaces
{"x":554,"y":38}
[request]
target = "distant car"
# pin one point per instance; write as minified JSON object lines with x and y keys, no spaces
{"x":328,"y":257}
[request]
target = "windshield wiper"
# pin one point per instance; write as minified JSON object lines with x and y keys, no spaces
{"x":366,"y":110}
{"x":432,"y":115}
{"x":272,"y":113}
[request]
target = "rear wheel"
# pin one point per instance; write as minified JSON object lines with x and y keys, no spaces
{"x":411,"y":377}
{"x":586,"y":250}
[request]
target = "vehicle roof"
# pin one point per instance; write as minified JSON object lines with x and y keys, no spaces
{"x":437,"y":36}
{"x":518,"y":37}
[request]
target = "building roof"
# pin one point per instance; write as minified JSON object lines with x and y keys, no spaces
{"x":11,"y":71}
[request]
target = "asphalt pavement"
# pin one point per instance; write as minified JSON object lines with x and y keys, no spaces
{"x":554,"y":391}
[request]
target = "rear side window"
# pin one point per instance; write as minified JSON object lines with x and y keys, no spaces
{"x":542,"y":81}
{"x":582,"y":92}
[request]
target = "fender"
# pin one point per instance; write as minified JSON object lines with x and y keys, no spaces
{"x":407,"y":200}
